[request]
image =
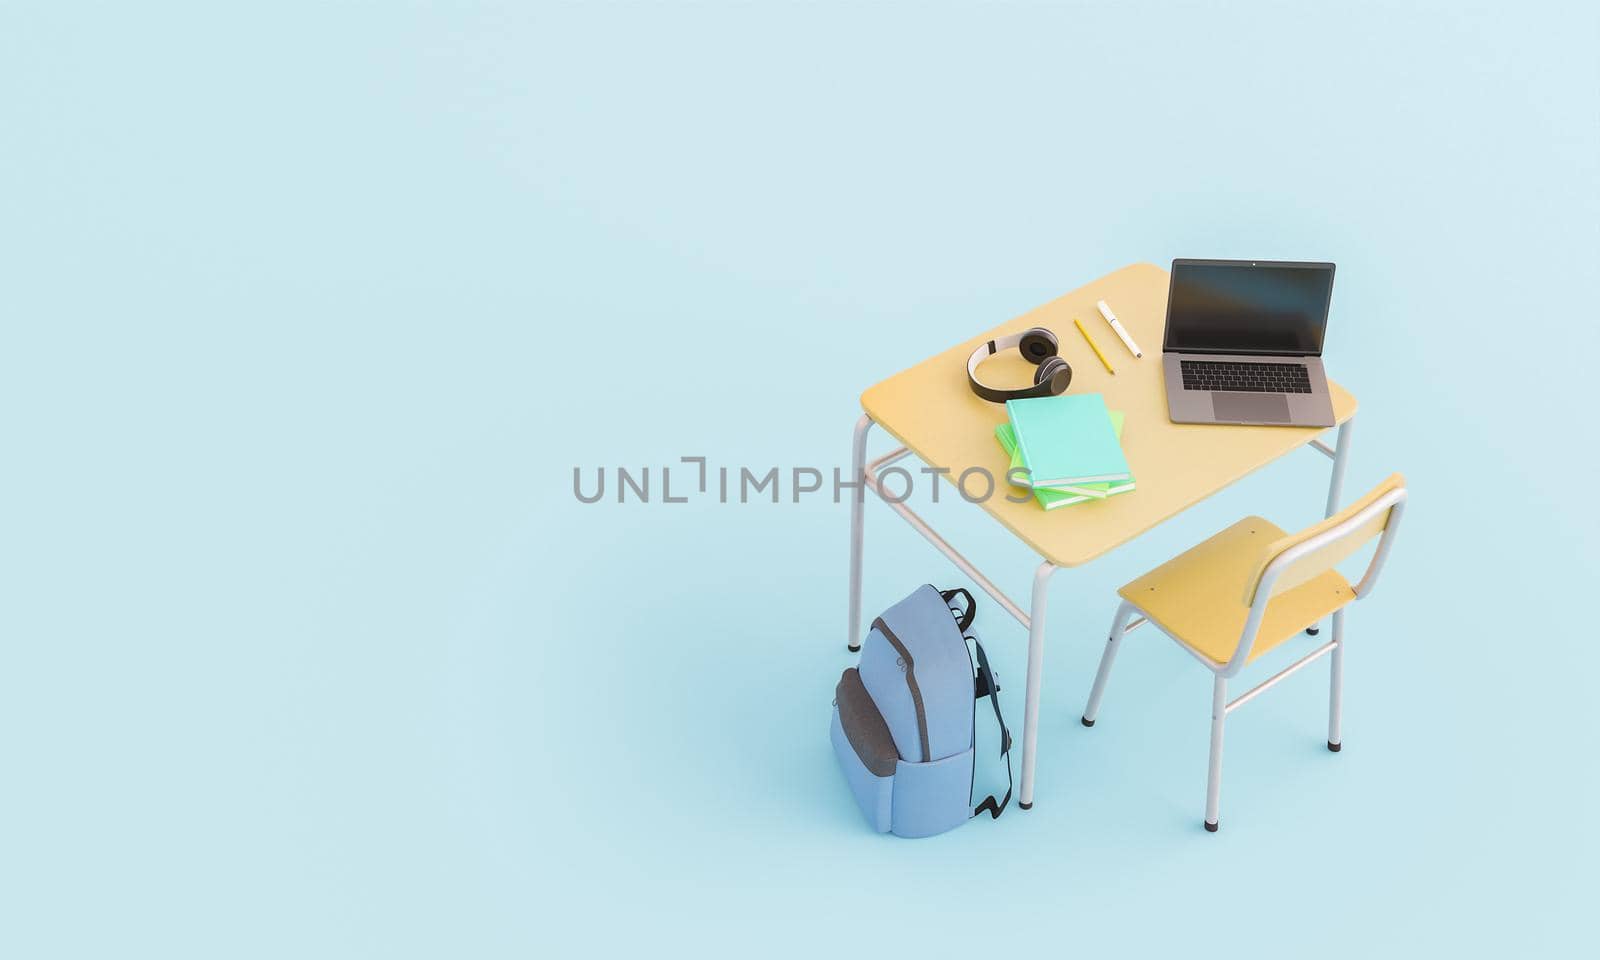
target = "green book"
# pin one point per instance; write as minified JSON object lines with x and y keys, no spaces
{"x":1067,"y":440}
{"x":1050,"y":497}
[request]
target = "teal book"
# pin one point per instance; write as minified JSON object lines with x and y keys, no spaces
{"x":1067,"y":440}
{"x":1048,"y":497}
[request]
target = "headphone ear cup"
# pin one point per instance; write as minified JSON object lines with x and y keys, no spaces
{"x":1038,"y":345}
{"x":1055,"y":372}
{"x":1049,"y":366}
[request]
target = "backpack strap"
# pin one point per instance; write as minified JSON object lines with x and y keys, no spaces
{"x":992,"y":691}
{"x":963,"y":613}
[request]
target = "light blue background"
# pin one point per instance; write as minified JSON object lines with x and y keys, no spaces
{"x":309,"y":311}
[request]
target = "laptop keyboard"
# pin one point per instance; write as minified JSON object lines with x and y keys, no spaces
{"x":1245,"y":377}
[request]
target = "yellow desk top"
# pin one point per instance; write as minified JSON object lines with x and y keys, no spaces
{"x":930,"y":409}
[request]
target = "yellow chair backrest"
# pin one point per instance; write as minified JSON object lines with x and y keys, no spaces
{"x":1329,"y":554}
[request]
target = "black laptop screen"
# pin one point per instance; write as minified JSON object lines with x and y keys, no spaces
{"x":1244,"y":307}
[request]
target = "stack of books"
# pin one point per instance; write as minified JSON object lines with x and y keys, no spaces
{"x":1067,"y":449}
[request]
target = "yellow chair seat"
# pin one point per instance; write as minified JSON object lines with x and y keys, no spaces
{"x":1198,"y":596}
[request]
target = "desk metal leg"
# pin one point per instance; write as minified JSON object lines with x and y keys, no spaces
{"x":1030,"y":715}
{"x":1341,"y":457}
{"x":858,"y":461}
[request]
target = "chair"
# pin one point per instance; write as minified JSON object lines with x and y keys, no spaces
{"x":1246,"y":591}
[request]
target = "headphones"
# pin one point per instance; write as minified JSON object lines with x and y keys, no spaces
{"x":1039,"y":347}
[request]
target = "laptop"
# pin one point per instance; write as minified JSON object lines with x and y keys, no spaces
{"x":1244,"y":342}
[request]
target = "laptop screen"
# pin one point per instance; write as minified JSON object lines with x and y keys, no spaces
{"x":1248,"y":306}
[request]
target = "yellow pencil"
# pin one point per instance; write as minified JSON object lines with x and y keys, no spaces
{"x":1096,"y":349}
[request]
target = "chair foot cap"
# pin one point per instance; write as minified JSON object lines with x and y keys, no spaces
{"x":853,"y":647}
{"x":1334,"y":746}
{"x":1086,"y":721}
{"x":1211,"y":827}
{"x":1313,"y":631}
{"x":1025,"y":806}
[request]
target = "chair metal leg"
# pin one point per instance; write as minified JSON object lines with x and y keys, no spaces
{"x":1219,"y":712}
{"x":1336,"y":682}
{"x":1030,"y":713}
{"x":1113,"y":644}
{"x":858,"y":462}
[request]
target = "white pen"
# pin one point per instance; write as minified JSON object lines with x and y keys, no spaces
{"x":1111,"y":318}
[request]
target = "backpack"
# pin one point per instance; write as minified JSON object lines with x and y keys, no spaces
{"x":904,"y":718}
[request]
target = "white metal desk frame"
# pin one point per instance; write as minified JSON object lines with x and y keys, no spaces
{"x":868,"y":474}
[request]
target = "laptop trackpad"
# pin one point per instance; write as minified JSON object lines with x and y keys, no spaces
{"x":1251,"y":407}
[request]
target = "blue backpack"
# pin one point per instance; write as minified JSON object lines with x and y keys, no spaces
{"x":904,"y":719}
